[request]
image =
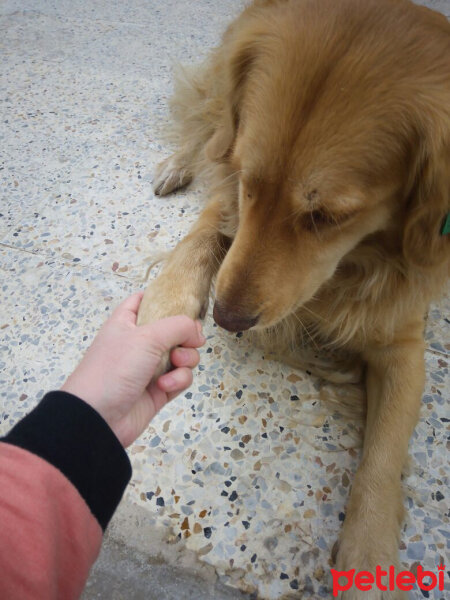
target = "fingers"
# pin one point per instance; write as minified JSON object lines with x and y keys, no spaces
{"x":127,"y":310}
{"x":184,"y":357}
{"x":175,"y":381}
{"x":175,"y":331}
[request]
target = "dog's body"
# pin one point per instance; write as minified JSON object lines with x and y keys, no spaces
{"x":325,"y":130}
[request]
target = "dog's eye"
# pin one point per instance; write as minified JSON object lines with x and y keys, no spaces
{"x":318,"y":219}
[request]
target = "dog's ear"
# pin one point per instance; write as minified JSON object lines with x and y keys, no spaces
{"x":424,"y":242}
{"x":235,"y":73}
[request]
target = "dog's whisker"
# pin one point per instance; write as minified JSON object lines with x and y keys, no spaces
{"x":318,"y":316}
{"x":305,"y":328}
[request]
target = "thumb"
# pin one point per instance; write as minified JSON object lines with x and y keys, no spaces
{"x":127,"y":310}
{"x":174,"y":331}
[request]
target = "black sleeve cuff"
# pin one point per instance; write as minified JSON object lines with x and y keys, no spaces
{"x":72,"y":436}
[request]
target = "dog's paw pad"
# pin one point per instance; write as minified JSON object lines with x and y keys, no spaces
{"x":170,"y":175}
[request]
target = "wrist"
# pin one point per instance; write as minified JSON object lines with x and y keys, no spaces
{"x":75,"y":387}
{"x":86,"y":393}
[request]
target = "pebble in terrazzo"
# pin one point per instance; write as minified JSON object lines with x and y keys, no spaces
{"x":249,"y":468}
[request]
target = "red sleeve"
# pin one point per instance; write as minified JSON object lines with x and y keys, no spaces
{"x":62,"y":475}
{"x":48,"y":536}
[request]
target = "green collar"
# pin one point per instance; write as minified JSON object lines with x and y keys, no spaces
{"x":446,"y":225}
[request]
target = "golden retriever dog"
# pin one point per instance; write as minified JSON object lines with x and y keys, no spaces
{"x":323,"y":128}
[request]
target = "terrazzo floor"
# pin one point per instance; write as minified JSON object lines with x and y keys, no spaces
{"x":249,"y":468}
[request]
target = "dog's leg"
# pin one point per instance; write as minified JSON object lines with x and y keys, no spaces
{"x":184,"y":284}
{"x":370,"y":535}
{"x":194,"y":121}
{"x":175,"y":172}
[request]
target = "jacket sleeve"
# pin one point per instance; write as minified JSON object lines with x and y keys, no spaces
{"x":62,"y":475}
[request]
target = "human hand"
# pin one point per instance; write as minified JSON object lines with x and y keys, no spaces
{"x":115,"y":375}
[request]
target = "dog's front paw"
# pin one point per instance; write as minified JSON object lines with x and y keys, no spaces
{"x":162,"y":299}
{"x":171,"y":174}
{"x":368,"y":543}
{"x":359,"y":578}
{"x":362,"y":565}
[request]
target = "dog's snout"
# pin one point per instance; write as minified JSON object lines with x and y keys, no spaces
{"x":230,"y":320}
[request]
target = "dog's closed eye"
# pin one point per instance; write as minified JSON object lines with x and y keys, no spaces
{"x":318,"y":219}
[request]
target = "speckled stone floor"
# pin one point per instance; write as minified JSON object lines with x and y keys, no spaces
{"x":250,"y":469}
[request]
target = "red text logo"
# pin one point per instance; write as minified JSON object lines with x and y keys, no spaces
{"x":387,"y":580}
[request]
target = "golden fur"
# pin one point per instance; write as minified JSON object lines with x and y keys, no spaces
{"x":323,"y":128}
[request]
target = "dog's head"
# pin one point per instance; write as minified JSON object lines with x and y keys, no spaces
{"x":338,"y":130}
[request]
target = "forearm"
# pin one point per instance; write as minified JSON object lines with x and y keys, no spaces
{"x":62,"y":474}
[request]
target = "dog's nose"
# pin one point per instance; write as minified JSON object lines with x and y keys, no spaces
{"x":231,"y":321}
